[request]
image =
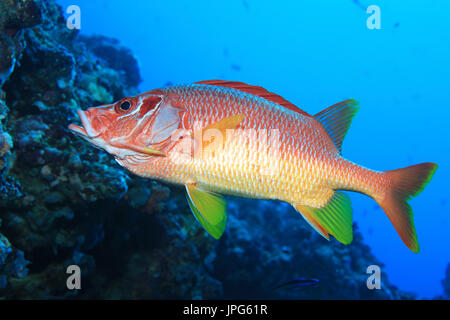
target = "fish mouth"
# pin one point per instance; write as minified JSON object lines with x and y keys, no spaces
{"x":85,"y":130}
{"x":78,"y":130}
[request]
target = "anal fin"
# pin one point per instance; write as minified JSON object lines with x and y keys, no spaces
{"x":334,"y":218}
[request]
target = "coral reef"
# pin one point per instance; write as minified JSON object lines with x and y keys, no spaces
{"x":63,"y":202}
{"x":14,"y":16}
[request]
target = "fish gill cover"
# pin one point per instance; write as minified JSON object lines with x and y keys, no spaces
{"x":65,"y":203}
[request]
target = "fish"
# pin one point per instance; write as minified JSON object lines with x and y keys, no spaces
{"x":296,"y":284}
{"x":226,"y":138}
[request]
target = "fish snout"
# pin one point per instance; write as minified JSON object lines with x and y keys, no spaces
{"x":92,"y":122}
{"x":86,"y":118}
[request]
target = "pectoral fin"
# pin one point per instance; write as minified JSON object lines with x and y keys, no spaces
{"x":209,"y":209}
{"x":231,"y":122}
{"x":334,"y":218}
{"x":214,"y":135}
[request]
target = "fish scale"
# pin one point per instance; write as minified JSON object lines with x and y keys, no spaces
{"x":301,"y":164}
{"x":301,"y":167}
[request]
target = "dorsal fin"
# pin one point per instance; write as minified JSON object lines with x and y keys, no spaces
{"x":337,"y":120}
{"x":257,"y":91}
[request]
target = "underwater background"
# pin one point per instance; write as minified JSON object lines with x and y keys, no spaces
{"x":64,"y":202}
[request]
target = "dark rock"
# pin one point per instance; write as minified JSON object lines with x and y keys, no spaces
{"x":116,"y":57}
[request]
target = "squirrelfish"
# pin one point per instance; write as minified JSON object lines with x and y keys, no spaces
{"x":228,"y":138}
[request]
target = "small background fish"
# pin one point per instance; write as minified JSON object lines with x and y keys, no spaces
{"x":296,"y":284}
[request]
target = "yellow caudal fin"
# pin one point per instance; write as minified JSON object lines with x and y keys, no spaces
{"x":404,"y":184}
{"x":209,"y":209}
{"x":334,"y":218}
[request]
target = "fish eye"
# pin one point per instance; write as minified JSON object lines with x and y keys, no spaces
{"x":125,"y":106}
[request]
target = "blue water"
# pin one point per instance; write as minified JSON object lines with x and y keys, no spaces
{"x":316,"y":53}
